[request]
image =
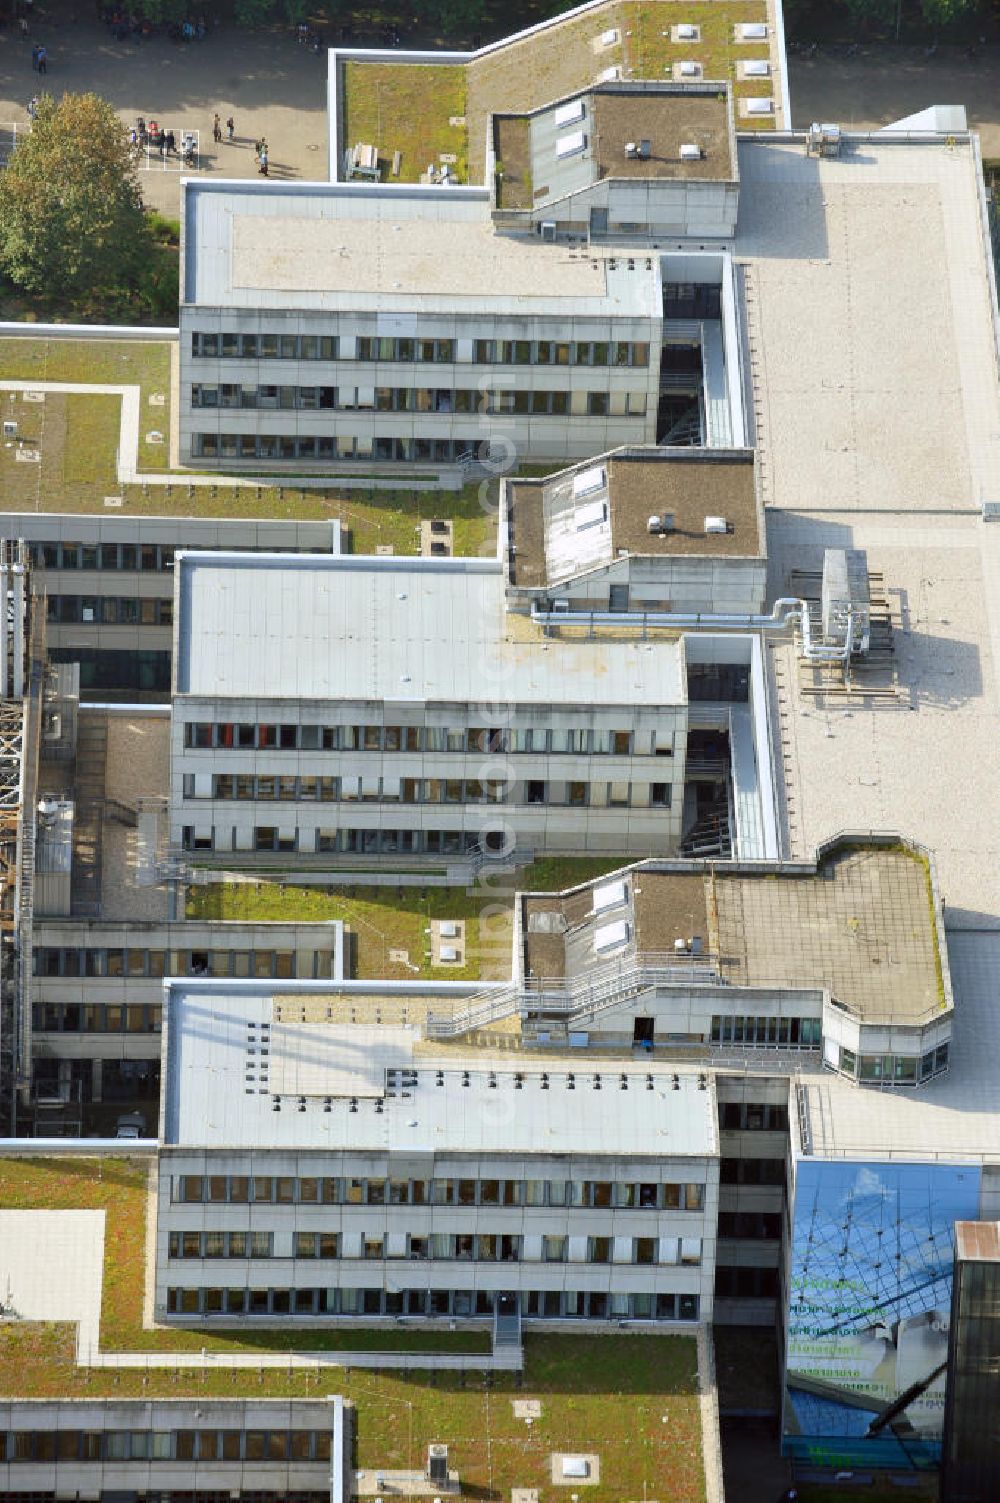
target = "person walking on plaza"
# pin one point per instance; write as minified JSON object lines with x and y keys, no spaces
{"x":230,"y":127}
{"x":263,"y":159}
{"x":217,"y":130}
{"x":43,"y":60}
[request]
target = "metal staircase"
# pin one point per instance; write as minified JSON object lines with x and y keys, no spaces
{"x":578,"y":1000}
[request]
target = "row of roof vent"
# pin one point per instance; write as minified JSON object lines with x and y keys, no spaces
{"x":746,"y":31}
{"x":662,"y":523}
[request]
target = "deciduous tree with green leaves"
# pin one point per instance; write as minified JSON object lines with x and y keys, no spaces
{"x":71,"y":216}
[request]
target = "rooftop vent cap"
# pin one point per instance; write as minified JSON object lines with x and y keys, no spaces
{"x":753,"y":31}
{"x":611,"y":75}
{"x":660,"y":524}
{"x":687,"y":33}
{"x":690,"y":70}
{"x":609,"y":38}
{"x":690,"y":152}
{"x":716,"y":524}
{"x":757,"y":68}
{"x":632,"y":150}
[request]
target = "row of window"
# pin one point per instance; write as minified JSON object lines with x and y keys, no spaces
{"x":128,"y":558}
{"x":327,"y":446}
{"x":762,"y":1226}
{"x":146,"y":558}
{"x":542,"y":1304}
{"x":752,"y":1172}
{"x":352,"y":842}
{"x":165,"y":1445}
{"x":752,"y":1116}
{"x":58,"y":1017}
{"x":267,"y":1189}
{"x":576,"y":794}
{"x":108,"y":610}
{"x":428,"y":399}
{"x":68,"y":960}
{"x":233,"y":346}
{"x":484,"y":1247}
{"x":746,"y":1283}
{"x":225,"y":735}
{"x":901,"y":1069}
{"x":799,"y":1033}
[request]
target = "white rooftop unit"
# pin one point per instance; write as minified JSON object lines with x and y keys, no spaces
{"x":568,"y":146}
{"x":757,"y":67}
{"x":588,"y":482}
{"x":590,"y":514}
{"x":759,"y":106}
{"x":609,"y":895}
{"x":753,"y":31}
{"x":716,"y":524}
{"x":690,"y":151}
{"x":611,"y":936}
{"x":567,"y":113}
{"x":609,"y":38}
{"x":690,"y":70}
{"x":611,"y":75}
{"x":688,"y":33}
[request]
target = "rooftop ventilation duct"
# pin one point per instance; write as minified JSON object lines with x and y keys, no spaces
{"x":716,"y":524}
{"x":690,"y":152}
{"x":658,"y":525}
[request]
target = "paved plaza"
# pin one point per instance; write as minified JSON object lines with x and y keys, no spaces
{"x":270,"y":85}
{"x":52,"y":1268}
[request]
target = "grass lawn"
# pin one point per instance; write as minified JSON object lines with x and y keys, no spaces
{"x":406,"y":107}
{"x":381,"y":919}
{"x":633,"y":1399}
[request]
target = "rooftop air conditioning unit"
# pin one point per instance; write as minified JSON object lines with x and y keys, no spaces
{"x":632,"y":149}
{"x":609,"y":38}
{"x":611,"y":75}
{"x":689,"y":70}
{"x":716,"y":524}
{"x":645,"y":150}
{"x":753,"y":31}
{"x":690,"y":152}
{"x":757,"y":68}
{"x":687,"y":33}
{"x":658,"y":525}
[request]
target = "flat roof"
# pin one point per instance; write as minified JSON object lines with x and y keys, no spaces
{"x":689,"y":485}
{"x":951,"y":1117}
{"x":859,"y":924}
{"x":228,"y":1061}
{"x":332,"y":248}
{"x":285,"y":626}
{"x":418,"y":103}
{"x":896,"y":461}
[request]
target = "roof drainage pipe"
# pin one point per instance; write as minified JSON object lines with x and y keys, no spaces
{"x":782,"y":615}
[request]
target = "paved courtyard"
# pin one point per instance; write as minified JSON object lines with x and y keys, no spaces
{"x":269,"y":84}
{"x":52,"y":1267}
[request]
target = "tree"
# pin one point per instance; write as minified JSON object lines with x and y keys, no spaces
{"x":71,"y":216}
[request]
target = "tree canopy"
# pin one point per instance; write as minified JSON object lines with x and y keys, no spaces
{"x":71,"y":215}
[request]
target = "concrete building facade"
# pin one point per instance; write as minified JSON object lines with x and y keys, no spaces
{"x":405,"y":718}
